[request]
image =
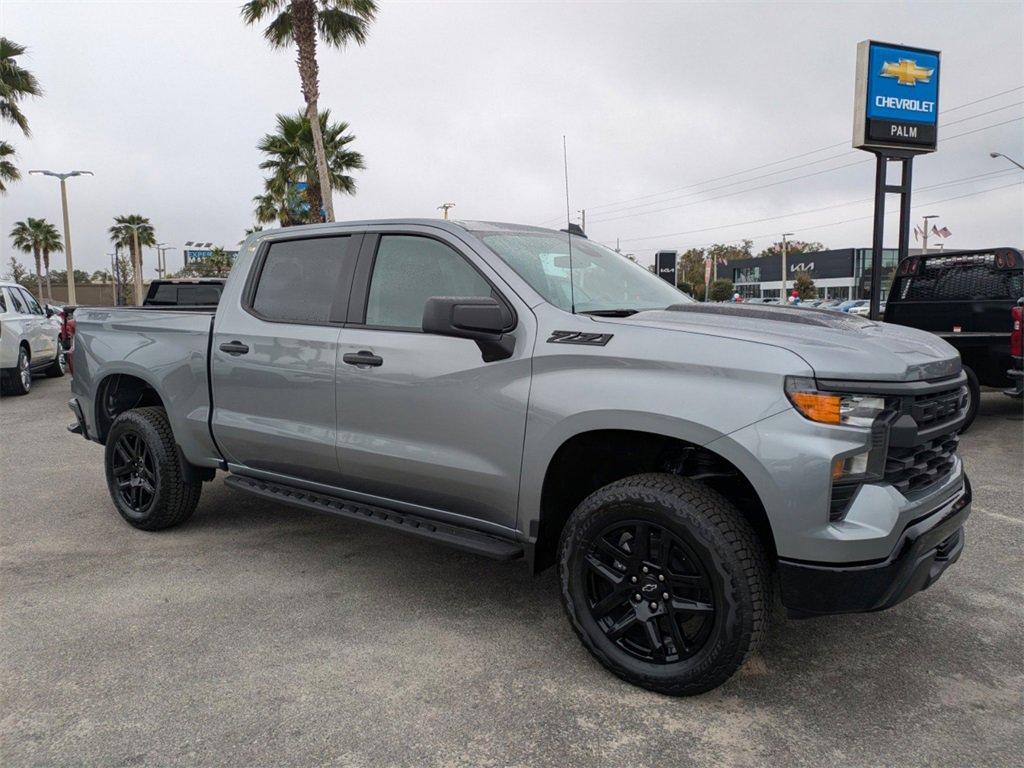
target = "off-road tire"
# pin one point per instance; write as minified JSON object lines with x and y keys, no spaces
{"x":735,"y":561}
{"x":177,"y":489}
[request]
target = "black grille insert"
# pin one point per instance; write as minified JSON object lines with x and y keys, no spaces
{"x":914,"y":469}
{"x":938,"y":407}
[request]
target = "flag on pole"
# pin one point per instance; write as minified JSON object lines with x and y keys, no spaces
{"x":917,"y":233}
{"x":944,"y":232}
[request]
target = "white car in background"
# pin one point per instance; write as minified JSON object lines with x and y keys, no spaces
{"x":862,"y":310}
{"x":28,"y":340}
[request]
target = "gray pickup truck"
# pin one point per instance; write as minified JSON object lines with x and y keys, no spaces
{"x":519,"y":392}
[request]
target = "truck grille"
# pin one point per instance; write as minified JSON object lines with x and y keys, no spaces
{"x":916,"y":468}
{"x":941,"y":406}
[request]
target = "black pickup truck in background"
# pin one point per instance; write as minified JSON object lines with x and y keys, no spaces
{"x":970,"y":299}
{"x":185,"y":292}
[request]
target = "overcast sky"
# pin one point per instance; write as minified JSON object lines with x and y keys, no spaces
{"x":467,"y":102}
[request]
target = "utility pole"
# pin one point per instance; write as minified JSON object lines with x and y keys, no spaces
{"x":67,"y":227}
{"x":113,"y":275}
{"x":443,"y":207}
{"x":924,"y":231}
{"x":583,"y":219}
{"x":782,"y":294}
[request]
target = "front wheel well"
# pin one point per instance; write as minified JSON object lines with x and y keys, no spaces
{"x":118,"y":393}
{"x":592,"y":460}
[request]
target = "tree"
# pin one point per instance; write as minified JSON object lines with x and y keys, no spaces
{"x":99,"y":276}
{"x":301,"y":22}
{"x":16,"y":83}
{"x":721,"y":290}
{"x":8,"y":170}
{"x":18,"y":274}
{"x":27,"y":236}
{"x":291,"y":192}
{"x":60,"y":277}
{"x":792,"y":246}
{"x":730,"y":252}
{"x":50,"y":242}
{"x":804,"y":286}
{"x":123,"y":236}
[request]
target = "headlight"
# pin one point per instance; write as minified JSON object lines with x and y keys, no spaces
{"x":833,"y":407}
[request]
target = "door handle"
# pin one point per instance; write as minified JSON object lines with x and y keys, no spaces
{"x":234,"y":347}
{"x":363,"y":359}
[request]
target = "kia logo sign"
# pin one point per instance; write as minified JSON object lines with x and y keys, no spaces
{"x":802,"y":267}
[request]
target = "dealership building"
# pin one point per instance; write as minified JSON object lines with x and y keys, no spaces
{"x":843,"y":273}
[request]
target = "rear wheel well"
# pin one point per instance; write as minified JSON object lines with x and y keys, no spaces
{"x":28,"y":350}
{"x":118,"y":393}
{"x":592,"y":460}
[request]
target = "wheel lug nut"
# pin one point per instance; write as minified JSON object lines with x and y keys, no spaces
{"x":661,"y":577}
{"x":654,"y":606}
{"x":637,"y":597}
{"x":665,"y":595}
{"x":633,"y":579}
{"x":645,"y":569}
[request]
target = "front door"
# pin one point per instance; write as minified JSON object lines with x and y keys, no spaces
{"x":429,"y":423}
{"x":274,"y":354}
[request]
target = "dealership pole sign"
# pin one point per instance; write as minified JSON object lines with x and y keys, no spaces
{"x":665,"y":265}
{"x":897,"y":98}
{"x":896,"y":117}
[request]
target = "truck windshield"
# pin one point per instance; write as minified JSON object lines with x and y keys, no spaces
{"x":603,"y":281}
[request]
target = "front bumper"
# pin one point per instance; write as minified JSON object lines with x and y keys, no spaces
{"x":926,"y":548}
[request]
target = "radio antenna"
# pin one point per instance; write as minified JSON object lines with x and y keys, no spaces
{"x":568,"y":226}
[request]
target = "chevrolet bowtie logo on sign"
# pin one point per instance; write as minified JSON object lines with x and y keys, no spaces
{"x":897,"y":96}
{"x":907,"y":72}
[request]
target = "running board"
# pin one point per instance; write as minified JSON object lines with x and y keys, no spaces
{"x":444,"y":533}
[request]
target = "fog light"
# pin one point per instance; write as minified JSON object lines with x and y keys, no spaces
{"x":850,"y":466}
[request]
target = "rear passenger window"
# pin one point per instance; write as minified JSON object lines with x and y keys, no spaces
{"x":301,"y":279}
{"x":3,"y":300}
{"x":33,"y":305}
{"x":16,"y":300}
{"x":409,"y":270}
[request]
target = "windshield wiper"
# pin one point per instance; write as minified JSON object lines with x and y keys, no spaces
{"x":609,"y":312}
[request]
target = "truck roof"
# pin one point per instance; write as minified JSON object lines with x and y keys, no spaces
{"x":450,"y":225}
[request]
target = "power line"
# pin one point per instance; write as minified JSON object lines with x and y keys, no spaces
{"x":787,"y":159}
{"x":784,"y":181}
{"x":951,"y":182}
{"x":855,"y":218}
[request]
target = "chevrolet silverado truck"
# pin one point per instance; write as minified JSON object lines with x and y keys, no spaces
{"x":519,"y":392}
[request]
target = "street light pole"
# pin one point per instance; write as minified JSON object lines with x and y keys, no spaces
{"x":782,"y":294}
{"x":443,"y":207}
{"x":994,"y":155}
{"x":67,"y":227}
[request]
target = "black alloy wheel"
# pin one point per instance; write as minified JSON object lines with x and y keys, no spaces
{"x":649,"y":592}
{"x":134,"y":472}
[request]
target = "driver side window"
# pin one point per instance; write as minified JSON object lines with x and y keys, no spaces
{"x":407,"y":271}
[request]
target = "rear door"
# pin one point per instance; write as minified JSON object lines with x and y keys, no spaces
{"x":274,"y":353}
{"x":430,"y":424}
{"x":42,"y":333}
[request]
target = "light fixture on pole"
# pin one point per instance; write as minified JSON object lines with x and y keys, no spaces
{"x":782,"y":293}
{"x":67,"y":227}
{"x":994,"y":155}
{"x":444,"y":207}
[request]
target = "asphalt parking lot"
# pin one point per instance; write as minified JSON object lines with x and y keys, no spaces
{"x":262,"y":635}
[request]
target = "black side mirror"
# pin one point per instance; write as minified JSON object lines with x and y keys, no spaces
{"x":49,"y":311}
{"x":484,"y":320}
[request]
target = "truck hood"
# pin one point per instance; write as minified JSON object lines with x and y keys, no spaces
{"x":836,"y":345}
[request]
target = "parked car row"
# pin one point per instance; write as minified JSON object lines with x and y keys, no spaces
{"x":30,"y":340}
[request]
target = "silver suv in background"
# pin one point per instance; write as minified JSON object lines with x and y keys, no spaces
{"x":519,"y":392}
{"x":29,"y":340}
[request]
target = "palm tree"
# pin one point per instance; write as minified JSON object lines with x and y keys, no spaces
{"x":301,"y":22}
{"x":122,"y":234}
{"x":292,"y":190}
{"x":49,"y":242}
{"x":16,"y":83}
{"x":8,"y":171}
{"x":27,"y":236}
